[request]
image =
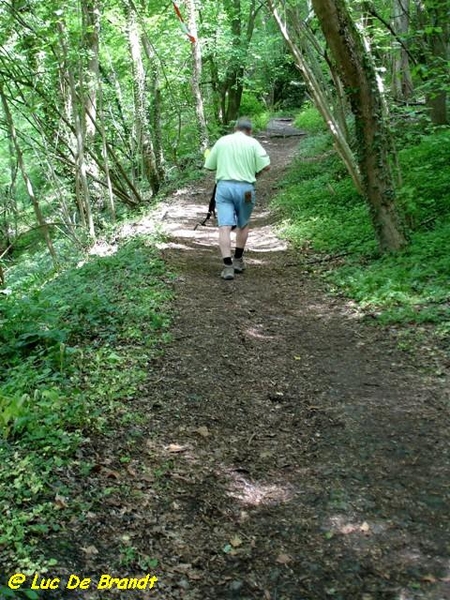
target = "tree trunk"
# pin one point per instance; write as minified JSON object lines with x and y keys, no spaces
{"x":218,"y":108}
{"x":197,"y":76}
{"x":11,"y":230}
{"x":433,"y":19}
{"x":91,"y":29}
{"x":319,"y":93}
{"x":439,"y":47}
{"x":37,"y":209}
{"x":155,"y":106}
{"x":366,"y":103}
{"x":143,"y":136}
{"x":233,"y":84}
{"x":112,"y":208}
{"x":78,"y":112}
{"x":402,"y":84}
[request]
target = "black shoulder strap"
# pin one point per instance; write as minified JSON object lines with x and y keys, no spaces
{"x":212,"y":202}
{"x":211,"y":208}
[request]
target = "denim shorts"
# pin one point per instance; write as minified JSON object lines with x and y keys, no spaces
{"x":231,"y":206}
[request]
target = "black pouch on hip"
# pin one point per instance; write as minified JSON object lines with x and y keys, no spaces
{"x":248,"y":196}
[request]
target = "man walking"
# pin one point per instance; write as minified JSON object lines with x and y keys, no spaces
{"x":237,"y":159}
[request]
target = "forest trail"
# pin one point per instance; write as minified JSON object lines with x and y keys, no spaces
{"x":303,"y":456}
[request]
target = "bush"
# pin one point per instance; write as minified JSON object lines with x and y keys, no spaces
{"x":74,"y":350}
{"x":320,"y":206}
{"x":320,"y":210}
{"x":311,"y":120}
{"x":251,"y":105}
{"x":408,"y":286}
{"x":424,"y":195}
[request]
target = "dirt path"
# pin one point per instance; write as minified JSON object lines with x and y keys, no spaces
{"x":303,"y":457}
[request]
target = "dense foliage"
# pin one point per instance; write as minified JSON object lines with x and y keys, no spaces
{"x":69,"y":368}
{"x":320,"y":210}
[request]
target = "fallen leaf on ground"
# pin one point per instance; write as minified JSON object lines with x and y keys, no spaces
{"x":176,"y":448}
{"x":203,"y":431}
{"x":365,"y":527}
{"x":110,"y":473}
{"x":131,"y":471}
{"x":60,"y":502}
{"x":90,"y":550}
{"x":182,"y":568}
{"x":283,"y":559}
{"x":265,"y":454}
{"x":236,"y":541}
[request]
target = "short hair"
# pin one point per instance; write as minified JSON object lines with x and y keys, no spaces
{"x":243,"y":124}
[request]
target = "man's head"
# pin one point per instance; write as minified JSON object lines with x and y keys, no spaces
{"x":243,"y":124}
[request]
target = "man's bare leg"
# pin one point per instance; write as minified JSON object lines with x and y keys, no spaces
{"x":225,"y":241}
{"x":241,"y":237}
{"x":225,"y":250}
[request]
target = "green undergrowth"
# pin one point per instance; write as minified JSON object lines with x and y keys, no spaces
{"x":74,"y":350}
{"x":320,"y":212}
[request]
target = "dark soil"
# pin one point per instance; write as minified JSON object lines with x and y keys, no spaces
{"x":284,"y":448}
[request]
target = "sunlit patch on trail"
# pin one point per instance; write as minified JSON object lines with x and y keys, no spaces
{"x":258,"y":333}
{"x":341,"y":524}
{"x":173,"y":246}
{"x":253,"y":493}
{"x":102,"y":248}
{"x":264,"y":239}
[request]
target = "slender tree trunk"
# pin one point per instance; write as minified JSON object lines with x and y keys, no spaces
{"x":197,"y":76}
{"x":233,"y":84}
{"x":90,"y":76}
{"x":10,"y":195}
{"x":321,"y":99}
{"x":310,"y":50}
{"x":124,"y":131}
{"x":437,"y":105}
{"x":219,"y":111}
{"x":433,"y":18}
{"x":402,"y":84}
{"x":144,"y":138}
{"x":37,"y":209}
{"x":91,"y":30}
{"x":78,"y":111}
{"x":439,"y":11}
{"x":366,"y":103}
{"x":112,"y":208}
{"x":155,"y":106}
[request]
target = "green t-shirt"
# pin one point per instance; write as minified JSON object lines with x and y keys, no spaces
{"x":237,"y":157}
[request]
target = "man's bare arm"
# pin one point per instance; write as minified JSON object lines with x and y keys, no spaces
{"x":262,"y":171}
